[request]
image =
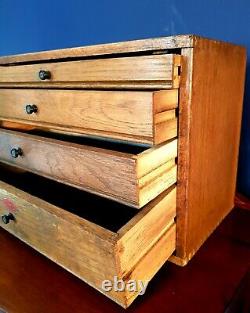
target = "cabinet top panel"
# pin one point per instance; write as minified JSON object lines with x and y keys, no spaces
{"x":109,"y":49}
{"x":142,"y":46}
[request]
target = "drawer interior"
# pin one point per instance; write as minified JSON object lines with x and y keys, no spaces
{"x":109,"y":144}
{"x":104,"y":212}
{"x":86,"y":234}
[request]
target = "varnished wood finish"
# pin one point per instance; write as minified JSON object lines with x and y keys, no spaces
{"x":211,"y":97}
{"x":146,"y":117}
{"x":127,"y":47}
{"x":88,"y":250}
{"x":211,"y":78}
{"x":130,"y":72}
{"x":133,"y":179}
{"x":155,"y":222}
{"x":150,"y":264}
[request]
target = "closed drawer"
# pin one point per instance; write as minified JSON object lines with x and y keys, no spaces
{"x":125,"y":173}
{"x":153,"y":71}
{"x":95,"y":239}
{"x":146,"y":117}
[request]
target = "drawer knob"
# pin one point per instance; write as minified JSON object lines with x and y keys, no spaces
{"x":7,"y":218}
{"x":16,"y":152}
{"x":43,"y":75}
{"x":31,"y":108}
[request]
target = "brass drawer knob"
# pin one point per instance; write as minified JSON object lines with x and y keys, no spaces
{"x":7,"y":218}
{"x":16,"y":152}
{"x":43,"y":75}
{"x":31,"y":108}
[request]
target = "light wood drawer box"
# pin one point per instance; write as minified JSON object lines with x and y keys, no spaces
{"x":74,"y":229}
{"x":139,"y":116}
{"x":129,"y":174}
{"x":145,"y":72}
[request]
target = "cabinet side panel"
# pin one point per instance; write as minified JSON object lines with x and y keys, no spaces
{"x":185,"y":96}
{"x":215,"y":122}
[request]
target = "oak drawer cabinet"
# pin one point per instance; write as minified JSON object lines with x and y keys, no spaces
{"x":157,"y":108}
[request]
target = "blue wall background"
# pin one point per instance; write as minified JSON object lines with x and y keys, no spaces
{"x":33,"y":25}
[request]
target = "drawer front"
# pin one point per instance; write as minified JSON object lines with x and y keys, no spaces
{"x":109,"y":173}
{"x":78,"y":245}
{"x":132,"y":72}
{"x":87,"y":250}
{"x":123,"y":115}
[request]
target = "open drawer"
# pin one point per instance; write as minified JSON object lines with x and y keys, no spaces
{"x":133,"y":175}
{"x":139,"y":116}
{"x":95,"y":239}
{"x":143,"y":72}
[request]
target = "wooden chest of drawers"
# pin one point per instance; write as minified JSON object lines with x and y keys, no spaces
{"x":117,"y":157}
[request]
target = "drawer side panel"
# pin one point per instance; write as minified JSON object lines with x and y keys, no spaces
{"x":140,"y":234}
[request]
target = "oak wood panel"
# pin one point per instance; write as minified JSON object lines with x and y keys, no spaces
{"x":102,"y":171}
{"x":184,"y":120}
{"x":16,"y":125}
{"x":84,"y":248}
{"x":133,"y":46}
{"x":157,"y":181}
{"x":59,"y":235}
{"x":165,"y":130}
{"x":144,"y":230}
{"x":165,"y":100}
{"x":165,"y":116}
{"x":158,"y":69}
{"x":152,"y":158}
{"x":150,"y":264}
{"x":138,"y":85}
{"x":109,"y":173}
{"x":117,"y":114}
{"x":208,"y":155}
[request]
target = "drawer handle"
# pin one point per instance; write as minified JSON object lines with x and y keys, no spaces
{"x":15,"y":153}
{"x":7,"y":218}
{"x":43,"y":75}
{"x":31,"y":108}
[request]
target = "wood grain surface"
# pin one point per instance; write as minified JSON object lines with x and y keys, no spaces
{"x":144,"y":230}
{"x":209,"y":133}
{"x":64,"y":238}
{"x":151,"y":263}
{"x":127,"y":71}
{"x":135,"y":116}
{"x":31,"y":283}
{"x":134,"y":46}
{"x":112,"y":174}
{"x":88,"y":250}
